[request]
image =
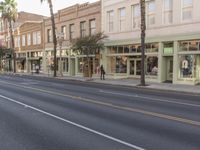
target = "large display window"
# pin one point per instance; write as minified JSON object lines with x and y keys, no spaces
{"x":152,"y":66}
{"x":118,"y":64}
{"x":187,"y":64}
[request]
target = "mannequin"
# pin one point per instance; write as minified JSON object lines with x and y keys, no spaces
{"x":185,"y":67}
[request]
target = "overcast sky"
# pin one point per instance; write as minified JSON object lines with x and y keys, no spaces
{"x":35,"y":6}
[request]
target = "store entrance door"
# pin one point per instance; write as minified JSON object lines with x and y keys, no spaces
{"x":135,"y":67}
{"x":72,"y":67}
{"x":169,"y":67}
{"x":132,"y":67}
{"x":138,"y":67}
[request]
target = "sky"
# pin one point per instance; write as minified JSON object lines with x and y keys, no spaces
{"x":35,"y":6}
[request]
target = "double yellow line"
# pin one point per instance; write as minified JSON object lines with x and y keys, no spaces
{"x":135,"y":110}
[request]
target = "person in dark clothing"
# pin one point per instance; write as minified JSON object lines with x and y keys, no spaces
{"x":102,"y":72}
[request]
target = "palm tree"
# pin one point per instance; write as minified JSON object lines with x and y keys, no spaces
{"x":54,"y":33}
{"x":143,"y":29}
{"x":8,"y":10}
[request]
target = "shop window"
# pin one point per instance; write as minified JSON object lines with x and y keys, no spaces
{"x":112,"y":49}
{"x":65,"y":64}
{"x":190,"y":45}
{"x":81,"y":64}
{"x":120,"y":49}
{"x":152,"y":66}
{"x":126,"y":49}
{"x":121,"y":64}
{"x":133,"y":49}
{"x":193,"y":46}
{"x":151,"y":47}
{"x":187,"y":66}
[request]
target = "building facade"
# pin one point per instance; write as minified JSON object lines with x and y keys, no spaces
{"x":73,"y":22}
{"x":172,"y":40}
{"x":22,"y":25}
{"x":28,"y":39}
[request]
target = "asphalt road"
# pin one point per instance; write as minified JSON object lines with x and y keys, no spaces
{"x":39,"y":113}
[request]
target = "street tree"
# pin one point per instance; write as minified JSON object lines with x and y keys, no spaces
{"x":143,"y":29}
{"x":87,"y":46}
{"x":54,"y":34}
{"x":9,"y":13}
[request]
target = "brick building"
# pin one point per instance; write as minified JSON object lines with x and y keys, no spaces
{"x":75,"y":21}
{"x":20,"y":23}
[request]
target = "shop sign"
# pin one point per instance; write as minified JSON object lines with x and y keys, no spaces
{"x":168,"y":50}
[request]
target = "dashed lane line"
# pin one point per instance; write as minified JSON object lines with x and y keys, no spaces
{"x":130,"y":109}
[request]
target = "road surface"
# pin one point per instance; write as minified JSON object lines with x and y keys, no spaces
{"x":38,"y":113}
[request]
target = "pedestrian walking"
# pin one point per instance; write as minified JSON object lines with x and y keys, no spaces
{"x":102,"y":73}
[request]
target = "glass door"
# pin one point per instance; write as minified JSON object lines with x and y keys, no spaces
{"x":138,"y":67}
{"x":132,"y":67}
{"x":170,"y":69}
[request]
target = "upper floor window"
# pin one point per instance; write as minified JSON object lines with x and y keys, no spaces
{"x":49,"y":36}
{"x":151,"y":8}
{"x":136,"y":16}
{"x":92,"y":27}
{"x":34,"y":38}
{"x":167,"y":11}
{"x":17,"y":41}
{"x":110,"y":21}
{"x":122,"y":19}
{"x":28,"y":39}
{"x":83,"y":28}
{"x":187,"y":9}
{"x":38,"y":34}
{"x":71,"y":31}
{"x":63,"y":30}
{"x":23,"y":40}
{"x":16,"y":44}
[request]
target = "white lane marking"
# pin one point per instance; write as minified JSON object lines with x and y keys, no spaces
{"x":150,"y":98}
{"x":74,"y":124}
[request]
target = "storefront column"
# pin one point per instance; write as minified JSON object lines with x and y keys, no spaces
{"x":160,"y":63}
{"x":27,"y":64}
{"x":175,"y":62}
{"x":76,"y":66}
{"x":103,"y":58}
{"x":44,"y":62}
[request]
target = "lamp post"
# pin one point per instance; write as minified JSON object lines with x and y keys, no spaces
{"x":60,"y":39}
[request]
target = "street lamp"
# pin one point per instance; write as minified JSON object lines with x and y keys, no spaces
{"x":60,"y":39}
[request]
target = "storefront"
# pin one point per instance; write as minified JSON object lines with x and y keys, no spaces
{"x":125,"y":61}
{"x":83,"y":62}
{"x":189,"y":62}
{"x":20,"y":62}
{"x":34,"y":61}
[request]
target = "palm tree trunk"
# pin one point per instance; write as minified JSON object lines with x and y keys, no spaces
{"x":12,"y":46}
{"x":54,"y":36}
{"x":143,"y":28}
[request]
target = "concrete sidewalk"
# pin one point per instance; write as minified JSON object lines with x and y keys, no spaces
{"x":192,"y":89}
